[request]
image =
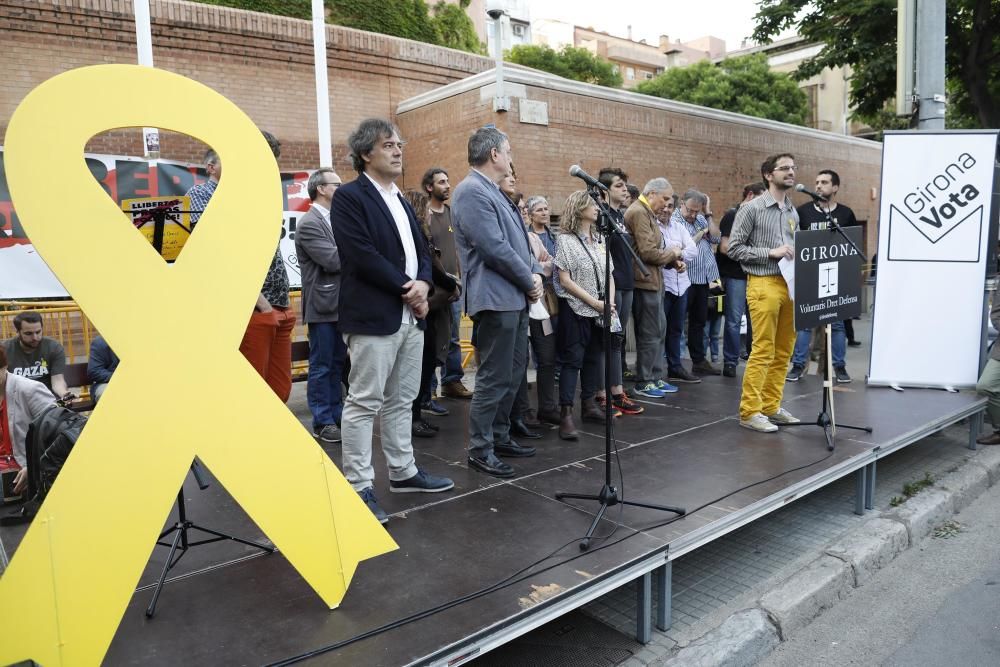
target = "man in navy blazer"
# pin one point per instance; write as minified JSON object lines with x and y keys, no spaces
{"x":501,"y":279}
{"x":385,"y":280}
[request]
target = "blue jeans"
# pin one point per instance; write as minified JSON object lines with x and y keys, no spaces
{"x":712,"y":329}
{"x":735,"y":309}
{"x":453,"y":371}
{"x":839,"y":345}
{"x":327,"y":352}
{"x":675,"y":308}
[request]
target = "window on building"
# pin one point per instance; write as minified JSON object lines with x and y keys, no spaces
{"x":648,"y":75}
{"x":630,"y":73}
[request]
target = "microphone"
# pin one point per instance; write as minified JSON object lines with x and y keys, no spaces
{"x":586,"y":178}
{"x":806,"y":191}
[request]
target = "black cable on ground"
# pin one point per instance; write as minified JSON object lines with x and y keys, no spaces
{"x":524,"y":573}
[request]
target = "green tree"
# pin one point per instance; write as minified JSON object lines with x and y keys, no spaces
{"x":401,"y":18}
{"x":745,"y":85}
{"x":456,"y":28}
{"x":571,"y":62}
{"x":862,"y":34}
{"x":299,"y":9}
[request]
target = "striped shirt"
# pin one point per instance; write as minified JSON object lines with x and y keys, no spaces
{"x":762,"y":225}
{"x":702,"y":269}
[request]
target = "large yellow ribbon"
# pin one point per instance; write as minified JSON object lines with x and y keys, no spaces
{"x":182,"y":388}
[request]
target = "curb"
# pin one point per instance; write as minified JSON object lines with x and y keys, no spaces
{"x":748,"y":636}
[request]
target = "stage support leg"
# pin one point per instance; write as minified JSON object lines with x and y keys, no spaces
{"x":664,"y":586}
{"x":644,"y":609}
{"x":870,"y":486}
{"x":860,"y":478}
{"x":975,"y":428}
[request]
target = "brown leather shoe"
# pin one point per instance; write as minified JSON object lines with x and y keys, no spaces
{"x":549,"y":417}
{"x":591,"y":411}
{"x":989,"y":439}
{"x":567,"y":429}
{"x":455,"y":390}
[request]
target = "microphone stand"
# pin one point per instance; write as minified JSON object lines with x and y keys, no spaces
{"x":826,"y":419}
{"x":608,"y":495}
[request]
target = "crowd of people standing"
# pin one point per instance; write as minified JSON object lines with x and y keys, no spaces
{"x":387,"y":274}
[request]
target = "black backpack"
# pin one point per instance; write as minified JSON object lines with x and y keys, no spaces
{"x":51,"y":437}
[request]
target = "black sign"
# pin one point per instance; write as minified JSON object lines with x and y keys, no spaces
{"x":827,"y":277}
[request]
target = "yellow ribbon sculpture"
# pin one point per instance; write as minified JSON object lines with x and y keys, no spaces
{"x":177,"y":329}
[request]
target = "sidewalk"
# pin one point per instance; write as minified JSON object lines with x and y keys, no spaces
{"x":735,"y":598}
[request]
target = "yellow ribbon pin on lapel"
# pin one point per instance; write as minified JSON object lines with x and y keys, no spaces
{"x":177,"y":330}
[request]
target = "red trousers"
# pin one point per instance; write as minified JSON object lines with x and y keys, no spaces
{"x":267,"y":345}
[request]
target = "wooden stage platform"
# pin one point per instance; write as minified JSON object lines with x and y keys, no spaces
{"x":225,"y":604}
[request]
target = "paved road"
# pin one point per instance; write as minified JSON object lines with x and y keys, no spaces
{"x":938,"y":604}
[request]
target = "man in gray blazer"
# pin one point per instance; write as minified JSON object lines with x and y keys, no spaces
{"x":319,"y":262}
{"x":501,"y":279}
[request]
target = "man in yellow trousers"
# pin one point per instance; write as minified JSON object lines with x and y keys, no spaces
{"x":763,"y":235}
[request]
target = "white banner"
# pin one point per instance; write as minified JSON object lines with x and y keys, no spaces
{"x":937,"y":224}
{"x":23,"y":273}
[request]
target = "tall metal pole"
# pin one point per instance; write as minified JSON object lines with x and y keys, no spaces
{"x":500,"y":101}
{"x":930,"y":64}
{"x":144,"y":51}
{"x":322,"y":85}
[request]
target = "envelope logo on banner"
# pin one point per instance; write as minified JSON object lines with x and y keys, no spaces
{"x":913,"y":239}
{"x":177,"y":329}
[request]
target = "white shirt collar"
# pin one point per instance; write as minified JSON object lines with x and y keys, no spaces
{"x":393,"y":190}
{"x":325,"y":212}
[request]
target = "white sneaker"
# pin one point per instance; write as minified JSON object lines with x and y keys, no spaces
{"x":758,"y":422}
{"x":783,"y":416}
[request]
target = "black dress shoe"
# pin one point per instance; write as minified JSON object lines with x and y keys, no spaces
{"x":491,"y":465}
{"x":422,"y":429}
{"x":519,"y":428}
{"x":514,"y":450}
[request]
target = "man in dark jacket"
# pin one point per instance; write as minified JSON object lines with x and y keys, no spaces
{"x":385,"y":281}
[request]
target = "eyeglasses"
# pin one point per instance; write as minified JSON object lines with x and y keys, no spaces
{"x":790,"y":167}
{"x":336,"y":185}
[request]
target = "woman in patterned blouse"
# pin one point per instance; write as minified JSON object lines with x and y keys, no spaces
{"x":580,"y":257}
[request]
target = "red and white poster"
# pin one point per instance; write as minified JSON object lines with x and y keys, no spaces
{"x":25,"y":275}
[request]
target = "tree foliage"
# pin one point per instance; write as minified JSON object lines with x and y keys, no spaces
{"x":456,"y":28}
{"x":401,"y":18}
{"x":298,"y":9}
{"x":449,"y":24}
{"x":745,"y":85}
{"x":570,"y":62}
{"x":861,"y":34}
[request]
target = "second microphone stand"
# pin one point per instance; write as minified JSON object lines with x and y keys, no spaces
{"x":826,"y":419}
{"x":609,"y":495}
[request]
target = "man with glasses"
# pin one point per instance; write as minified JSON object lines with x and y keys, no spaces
{"x":763,"y":234}
{"x":694,"y":214}
{"x":319,"y":263}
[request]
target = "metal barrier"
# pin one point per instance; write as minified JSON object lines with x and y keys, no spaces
{"x":66,"y":323}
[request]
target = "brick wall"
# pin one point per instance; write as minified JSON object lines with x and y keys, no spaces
{"x":717,"y":155}
{"x":262,"y":63}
